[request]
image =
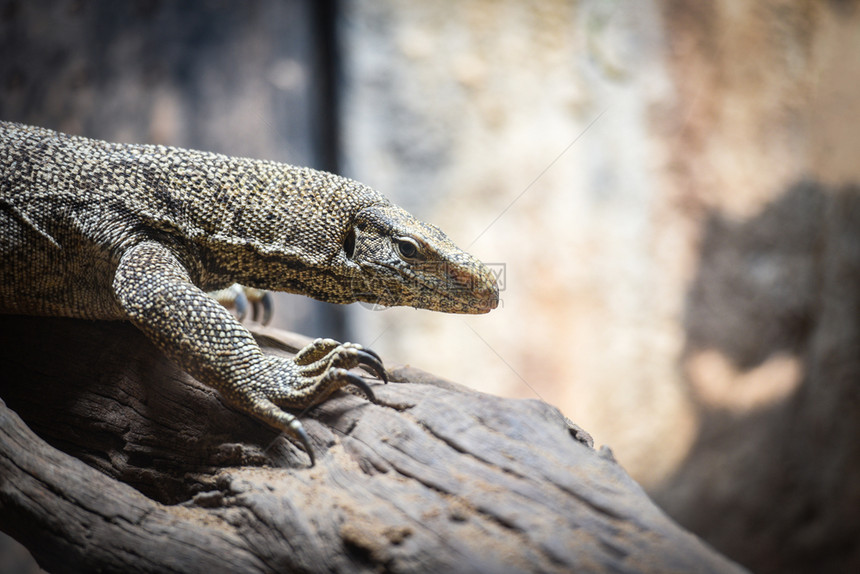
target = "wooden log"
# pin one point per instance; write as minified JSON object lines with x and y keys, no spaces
{"x":112,"y":459}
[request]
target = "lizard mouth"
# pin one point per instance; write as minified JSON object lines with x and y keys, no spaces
{"x":451,"y":295}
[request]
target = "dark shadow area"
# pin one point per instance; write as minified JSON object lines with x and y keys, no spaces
{"x":73,"y":382}
{"x":758,"y":283}
{"x":777,"y":486}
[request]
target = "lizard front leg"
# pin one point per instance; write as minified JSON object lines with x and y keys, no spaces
{"x":204,"y":339}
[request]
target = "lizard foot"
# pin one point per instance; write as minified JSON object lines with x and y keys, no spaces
{"x":323,"y":367}
{"x":311,"y":377}
{"x":240,"y":298}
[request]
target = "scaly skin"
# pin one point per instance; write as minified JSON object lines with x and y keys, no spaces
{"x":138,"y":232}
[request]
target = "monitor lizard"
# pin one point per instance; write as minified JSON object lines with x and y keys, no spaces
{"x":113,"y":231}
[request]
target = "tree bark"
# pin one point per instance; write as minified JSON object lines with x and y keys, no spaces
{"x":115,"y":460}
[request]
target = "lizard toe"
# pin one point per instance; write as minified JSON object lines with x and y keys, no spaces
{"x":242,"y":298}
{"x":308,"y":391}
{"x":233,"y":297}
{"x":272,"y":414}
{"x":315,"y":351}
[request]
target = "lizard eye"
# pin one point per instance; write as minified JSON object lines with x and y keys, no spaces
{"x":407,"y":247}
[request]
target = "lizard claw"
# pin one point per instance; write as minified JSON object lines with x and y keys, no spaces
{"x":308,"y":379}
{"x":266,"y":410}
{"x":369,"y":352}
{"x":356,"y":381}
{"x":233,"y":297}
{"x":262,"y":300}
{"x":370,"y":363}
{"x":302,"y":435}
{"x":241,"y":303}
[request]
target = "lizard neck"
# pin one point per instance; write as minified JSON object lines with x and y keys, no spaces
{"x":279,"y":227}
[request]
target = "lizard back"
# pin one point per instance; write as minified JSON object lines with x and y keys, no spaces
{"x":70,"y":206}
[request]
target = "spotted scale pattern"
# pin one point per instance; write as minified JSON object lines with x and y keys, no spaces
{"x":99,"y":230}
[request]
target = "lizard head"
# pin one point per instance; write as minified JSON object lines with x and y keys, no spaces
{"x":396,"y":259}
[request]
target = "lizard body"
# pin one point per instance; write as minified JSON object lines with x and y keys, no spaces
{"x":100,"y":230}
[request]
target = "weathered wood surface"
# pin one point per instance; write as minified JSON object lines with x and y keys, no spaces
{"x":134,"y":466}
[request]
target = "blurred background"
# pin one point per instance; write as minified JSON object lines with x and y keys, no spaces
{"x":671,"y":189}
